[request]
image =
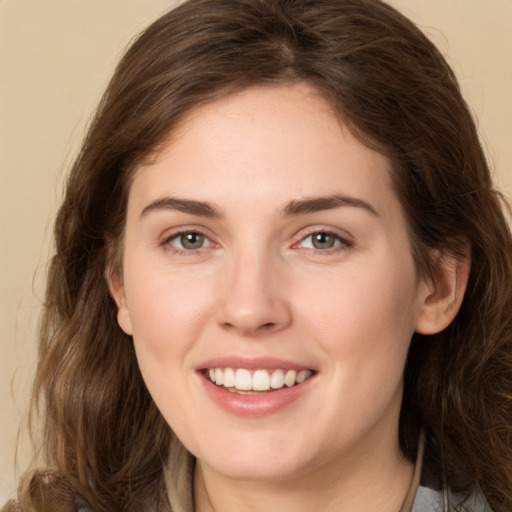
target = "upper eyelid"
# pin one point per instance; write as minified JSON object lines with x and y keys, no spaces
{"x":345,"y":240}
{"x":166,"y":244}
{"x":342,"y":240}
{"x":187,"y":232}
{"x":338,"y":232}
{"x":169,"y":234}
{"x":335,"y":235}
{"x":300,"y":235}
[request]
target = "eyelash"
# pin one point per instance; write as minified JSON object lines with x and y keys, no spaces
{"x":167,"y":242}
{"x":340,"y":242}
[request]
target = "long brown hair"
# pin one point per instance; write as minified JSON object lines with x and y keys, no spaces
{"x":104,"y":441}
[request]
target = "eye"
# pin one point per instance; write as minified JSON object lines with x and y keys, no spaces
{"x":323,"y":240}
{"x":188,"y":241}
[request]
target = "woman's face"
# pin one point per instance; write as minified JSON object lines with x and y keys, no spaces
{"x":265,"y":249}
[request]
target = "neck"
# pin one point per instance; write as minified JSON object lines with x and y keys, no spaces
{"x":376,"y":480}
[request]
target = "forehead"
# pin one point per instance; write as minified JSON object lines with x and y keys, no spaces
{"x":271,"y":143}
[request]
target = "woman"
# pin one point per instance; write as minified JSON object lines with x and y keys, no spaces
{"x":281,"y":213}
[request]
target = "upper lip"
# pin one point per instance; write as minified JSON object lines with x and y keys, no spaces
{"x":254,"y":363}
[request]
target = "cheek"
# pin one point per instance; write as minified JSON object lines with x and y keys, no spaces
{"x":167,"y":310}
{"x":167,"y":317}
{"x":369,"y":321}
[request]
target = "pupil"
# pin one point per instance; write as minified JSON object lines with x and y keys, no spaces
{"x":323,"y":241}
{"x":192,"y":240}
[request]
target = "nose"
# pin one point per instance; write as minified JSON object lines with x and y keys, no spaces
{"x":254,"y":299}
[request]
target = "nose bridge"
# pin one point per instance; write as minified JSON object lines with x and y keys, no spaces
{"x":253,"y":300}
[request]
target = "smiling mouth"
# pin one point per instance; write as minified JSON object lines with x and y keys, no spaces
{"x":245,"y":381}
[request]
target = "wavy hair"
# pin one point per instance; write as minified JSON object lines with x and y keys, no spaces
{"x":104,"y":441}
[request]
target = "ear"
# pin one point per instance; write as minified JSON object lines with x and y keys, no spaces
{"x":114,"y":278}
{"x":441,"y":296}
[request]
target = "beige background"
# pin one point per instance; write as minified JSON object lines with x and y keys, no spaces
{"x":55,"y":59}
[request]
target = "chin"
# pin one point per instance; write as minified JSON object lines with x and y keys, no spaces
{"x":257,"y":461}
{"x":257,"y":471}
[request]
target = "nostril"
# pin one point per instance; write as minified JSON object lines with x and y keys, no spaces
{"x":268,"y":326}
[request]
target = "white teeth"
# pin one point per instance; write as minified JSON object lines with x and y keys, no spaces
{"x":290,"y":378}
{"x":229,"y":378}
{"x":277,"y":379}
{"x":259,"y":380}
{"x":301,"y":376}
{"x":243,"y":379}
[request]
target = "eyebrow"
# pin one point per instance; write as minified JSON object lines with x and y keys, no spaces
{"x":293,"y":208}
{"x":190,"y":206}
{"x":316,"y":204}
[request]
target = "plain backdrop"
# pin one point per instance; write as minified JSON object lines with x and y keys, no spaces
{"x":55,"y":60}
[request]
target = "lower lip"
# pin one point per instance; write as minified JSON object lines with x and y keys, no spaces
{"x":261,"y":404}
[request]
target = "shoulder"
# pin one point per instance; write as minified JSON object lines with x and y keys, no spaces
{"x":433,"y":495}
{"x":433,"y":500}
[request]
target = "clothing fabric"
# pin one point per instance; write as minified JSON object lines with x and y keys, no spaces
{"x":430,"y":493}
{"x":431,"y":500}
{"x":427,"y":491}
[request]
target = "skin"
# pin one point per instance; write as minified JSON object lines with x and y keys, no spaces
{"x":258,"y":288}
